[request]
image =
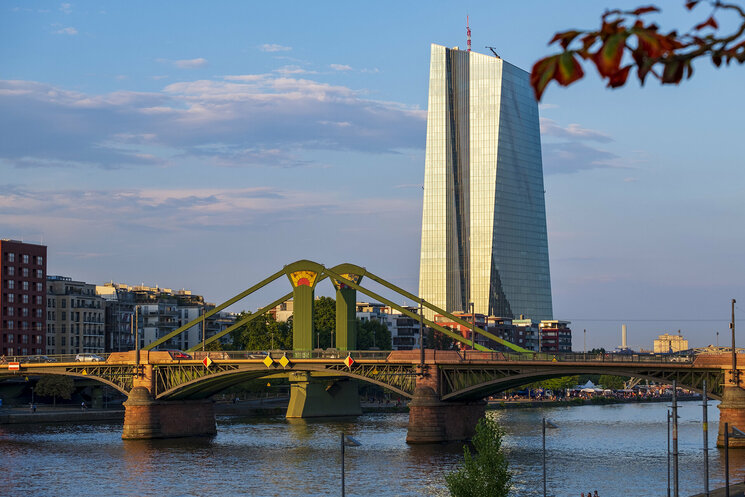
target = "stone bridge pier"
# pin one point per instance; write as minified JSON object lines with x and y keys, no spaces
{"x":147,"y":418}
{"x":433,"y":421}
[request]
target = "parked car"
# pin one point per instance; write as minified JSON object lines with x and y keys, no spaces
{"x":177,"y":354}
{"x":88,"y":358}
{"x":41,"y":358}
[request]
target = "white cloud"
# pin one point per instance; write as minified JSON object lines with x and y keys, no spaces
{"x":66,"y":8}
{"x":293,"y":70}
{"x":239,"y":120}
{"x":66,"y":31}
{"x":572,"y":131}
{"x":273,"y":47}
{"x":190,"y":63}
{"x":340,"y":67}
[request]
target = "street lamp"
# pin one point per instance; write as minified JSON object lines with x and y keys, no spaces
{"x":546,"y":424}
{"x":348,"y":441}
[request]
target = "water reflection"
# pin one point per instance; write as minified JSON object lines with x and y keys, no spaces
{"x":617,"y":450}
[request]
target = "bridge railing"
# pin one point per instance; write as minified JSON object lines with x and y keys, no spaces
{"x":582,"y":357}
{"x":83,"y":357}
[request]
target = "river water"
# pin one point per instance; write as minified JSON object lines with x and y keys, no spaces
{"x":618,"y":450}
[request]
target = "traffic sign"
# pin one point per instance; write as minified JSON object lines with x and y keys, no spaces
{"x":349,"y":361}
{"x":207,"y":361}
{"x":14,"y":366}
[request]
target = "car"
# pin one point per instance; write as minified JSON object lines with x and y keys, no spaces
{"x":41,"y":358}
{"x":88,"y":358}
{"x":177,"y":354}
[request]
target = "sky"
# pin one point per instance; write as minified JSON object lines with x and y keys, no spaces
{"x":204,"y":145}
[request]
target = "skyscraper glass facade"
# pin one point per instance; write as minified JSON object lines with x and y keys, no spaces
{"x":484,"y":218}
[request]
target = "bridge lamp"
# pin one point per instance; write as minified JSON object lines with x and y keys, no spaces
{"x":546,"y":424}
{"x":346,"y":441}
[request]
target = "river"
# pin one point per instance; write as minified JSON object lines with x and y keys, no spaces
{"x":618,"y":450}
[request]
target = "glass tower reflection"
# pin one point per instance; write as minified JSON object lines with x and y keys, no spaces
{"x":484,"y":218}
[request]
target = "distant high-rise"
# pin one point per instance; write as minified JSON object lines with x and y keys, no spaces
{"x":484,"y":218}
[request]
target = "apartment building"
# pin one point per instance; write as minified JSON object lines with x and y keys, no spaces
{"x":75,"y":317}
{"x":23,"y":268}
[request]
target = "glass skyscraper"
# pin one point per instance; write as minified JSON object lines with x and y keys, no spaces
{"x":484,"y":219}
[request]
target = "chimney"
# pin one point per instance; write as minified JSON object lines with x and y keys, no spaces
{"x":623,"y":336}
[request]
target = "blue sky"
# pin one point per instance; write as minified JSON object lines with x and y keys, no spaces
{"x":206,"y":144}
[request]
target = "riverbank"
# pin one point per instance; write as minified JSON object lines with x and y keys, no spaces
{"x":62,"y":414}
{"x":593,"y":401}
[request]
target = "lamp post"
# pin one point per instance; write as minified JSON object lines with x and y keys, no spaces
{"x":676,"y":488}
{"x":734,"y":350}
{"x":584,"y":344}
{"x":668,"y":453}
{"x":346,"y":440}
{"x":473,"y":326}
{"x":204,"y":309}
{"x":735,"y":434}
{"x":421,"y":334}
{"x":549,"y":424}
{"x":706,"y":441}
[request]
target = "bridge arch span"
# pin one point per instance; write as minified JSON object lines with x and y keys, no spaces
{"x":124,"y":389}
{"x":205,"y":386}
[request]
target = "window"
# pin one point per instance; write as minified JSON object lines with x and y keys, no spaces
{"x":24,"y":285}
{"x":24,"y":272}
{"x":64,"y":315}
{"x":39,"y":273}
{"x":39,"y":287}
{"x":10,"y":270}
{"x":39,"y":260}
{"x":24,"y":298}
{"x":11,"y":297}
{"x":39,"y":299}
{"x":10,"y":325}
{"x":11,"y":338}
{"x":24,"y":338}
{"x":64,"y":341}
{"x":9,"y":311}
{"x":25,"y":258}
{"x":24,"y":312}
{"x":64,"y":304}
{"x":39,"y":313}
{"x":11,"y":257}
{"x":11,"y":284}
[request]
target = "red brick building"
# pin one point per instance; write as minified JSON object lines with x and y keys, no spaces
{"x":23,"y":298}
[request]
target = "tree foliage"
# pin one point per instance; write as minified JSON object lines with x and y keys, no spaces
{"x":373,"y":333}
{"x":484,"y":473}
{"x":625,"y":41}
{"x":612,"y":382}
{"x":55,"y":386}
{"x":260,"y":333}
{"x":324,"y":322}
{"x":557,"y":384}
{"x":437,"y":340}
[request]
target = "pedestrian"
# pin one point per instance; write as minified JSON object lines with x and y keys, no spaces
{"x":33,"y":408}
{"x":596,"y":493}
{"x":82,"y":406}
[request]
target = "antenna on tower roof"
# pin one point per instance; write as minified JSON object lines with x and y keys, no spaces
{"x":494,"y":51}
{"x":468,"y":35}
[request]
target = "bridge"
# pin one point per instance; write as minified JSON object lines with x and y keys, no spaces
{"x":169,"y":397}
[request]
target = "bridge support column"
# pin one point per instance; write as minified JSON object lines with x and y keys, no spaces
{"x":145,"y":418}
{"x":311,"y":398}
{"x":433,"y":421}
{"x":732,"y":411}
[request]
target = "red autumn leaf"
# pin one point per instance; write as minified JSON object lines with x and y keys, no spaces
{"x":673,"y":72}
{"x":643,"y":68}
{"x":709,"y":22}
{"x":691,"y":3}
{"x":608,"y":58}
{"x":569,"y":69}
{"x":716,"y":59}
{"x":645,"y":10}
{"x":619,"y":78}
{"x":650,"y":42}
{"x":542,"y":73}
{"x":564,"y":38}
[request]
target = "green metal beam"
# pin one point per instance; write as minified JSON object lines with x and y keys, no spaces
{"x":431,"y":324}
{"x":243,"y":321}
{"x":433,"y":307}
{"x":220,"y":307}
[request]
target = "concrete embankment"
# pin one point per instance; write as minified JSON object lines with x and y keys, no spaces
{"x":734,"y":491}
{"x":59,"y":415}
